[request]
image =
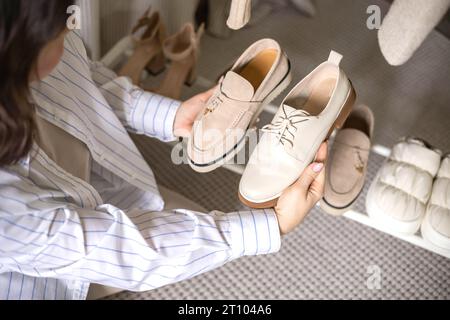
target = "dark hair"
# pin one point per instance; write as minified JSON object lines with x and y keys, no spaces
{"x":26,"y":26}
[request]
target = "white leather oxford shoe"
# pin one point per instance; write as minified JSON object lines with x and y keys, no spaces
{"x":308,"y":115}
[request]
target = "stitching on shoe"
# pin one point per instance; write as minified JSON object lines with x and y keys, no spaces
{"x":219,"y":142}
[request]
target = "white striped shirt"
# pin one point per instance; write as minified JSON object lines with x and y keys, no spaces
{"x":58,"y":233}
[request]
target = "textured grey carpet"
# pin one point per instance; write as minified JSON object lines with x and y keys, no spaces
{"x":326,"y":257}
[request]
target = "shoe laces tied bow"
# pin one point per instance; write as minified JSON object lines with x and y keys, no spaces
{"x":286,"y":126}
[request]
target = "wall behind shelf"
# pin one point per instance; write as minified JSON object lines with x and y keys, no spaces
{"x":117,"y":17}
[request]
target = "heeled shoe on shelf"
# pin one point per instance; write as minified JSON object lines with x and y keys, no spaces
{"x":182,"y":49}
{"x":148,"y":37}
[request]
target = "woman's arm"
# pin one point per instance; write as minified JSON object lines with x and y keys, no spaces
{"x":134,"y":250}
{"x":140,"y":111}
{"x":137,"y":250}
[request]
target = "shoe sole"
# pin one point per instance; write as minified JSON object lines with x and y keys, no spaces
{"x":433,"y":236}
{"x":338,"y":123}
{"x":256,"y":205}
{"x":219,"y":163}
{"x":205,"y":168}
{"x":335,"y":211}
{"x":339,"y":211}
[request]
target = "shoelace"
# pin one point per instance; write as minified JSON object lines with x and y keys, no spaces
{"x":286,"y":126}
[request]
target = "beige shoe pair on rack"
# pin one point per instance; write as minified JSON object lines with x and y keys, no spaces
{"x":152,"y":48}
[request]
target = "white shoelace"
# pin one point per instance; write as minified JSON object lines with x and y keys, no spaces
{"x":286,"y":126}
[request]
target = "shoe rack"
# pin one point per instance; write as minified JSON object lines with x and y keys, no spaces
{"x":124,"y":48}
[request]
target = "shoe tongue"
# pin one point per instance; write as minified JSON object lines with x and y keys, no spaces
{"x":236,"y":87}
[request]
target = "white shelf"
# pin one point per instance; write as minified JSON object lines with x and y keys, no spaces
{"x":413,"y":239}
{"x":113,"y":58}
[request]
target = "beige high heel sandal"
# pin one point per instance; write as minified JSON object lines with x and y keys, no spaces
{"x":183,"y":51}
{"x":148,"y":51}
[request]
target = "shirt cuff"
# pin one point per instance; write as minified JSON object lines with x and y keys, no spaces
{"x":154,"y":115}
{"x":254,"y":232}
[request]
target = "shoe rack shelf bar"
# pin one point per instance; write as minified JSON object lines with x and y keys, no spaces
{"x":413,"y":239}
{"x":123,"y":48}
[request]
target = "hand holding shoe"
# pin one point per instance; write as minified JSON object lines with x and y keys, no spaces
{"x":188,"y":112}
{"x":308,"y":115}
{"x":296,"y":201}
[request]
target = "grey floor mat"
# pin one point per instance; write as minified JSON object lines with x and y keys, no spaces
{"x":326,"y":257}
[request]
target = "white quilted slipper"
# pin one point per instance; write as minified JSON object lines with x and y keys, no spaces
{"x":398,"y":197}
{"x":436,"y":224}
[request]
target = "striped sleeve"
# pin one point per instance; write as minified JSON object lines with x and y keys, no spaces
{"x":18,"y":286}
{"x":134,"y":250}
{"x":254,"y":232}
{"x":140,"y":111}
{"x":100,"y":73}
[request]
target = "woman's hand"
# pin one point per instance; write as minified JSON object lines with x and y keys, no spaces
{"x":296,"y":201}
{"x":187,"y":113}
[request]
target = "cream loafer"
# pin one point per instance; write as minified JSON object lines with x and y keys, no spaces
{"x":256,"y":79}
{"x":347,"y":162}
